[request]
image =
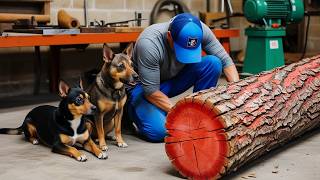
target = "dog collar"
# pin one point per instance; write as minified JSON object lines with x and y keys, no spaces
{"x":108,"y":91}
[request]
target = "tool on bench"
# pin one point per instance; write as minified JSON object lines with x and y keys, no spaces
{"x":118,"y":26}
{"x":66,"y":25}
{"x":66,"y":21}
{"x":137,"y":20}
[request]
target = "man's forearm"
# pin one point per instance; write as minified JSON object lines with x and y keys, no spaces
{"x":160,"y":100}
{"x":231,"y":73}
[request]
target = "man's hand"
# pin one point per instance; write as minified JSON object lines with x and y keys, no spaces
{"x":160,"y":100}
{"x":231,"y":73}
{"x":163,"y":102}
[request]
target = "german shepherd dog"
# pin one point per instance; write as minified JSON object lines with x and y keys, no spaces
{"x":61,"y":127}
{"x":109,"y":95}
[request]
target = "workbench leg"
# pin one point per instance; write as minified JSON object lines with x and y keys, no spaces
{"x":54,"y":68}
{"x":37,"y":70}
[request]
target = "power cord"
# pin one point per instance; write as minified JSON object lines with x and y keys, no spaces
{"x":306,"y":37}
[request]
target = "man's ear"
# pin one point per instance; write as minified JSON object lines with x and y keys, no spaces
{"x":170,"y":40}
{"x":63,"y":88}
{"x":107,"y":53}
{"x":128,"y":50}
{"x":169,"y":35}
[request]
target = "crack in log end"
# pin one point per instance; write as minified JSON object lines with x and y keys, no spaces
{"x":193,"y":128}
{"x":197,"y":162}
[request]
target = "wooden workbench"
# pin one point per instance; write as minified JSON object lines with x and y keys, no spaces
{"x":56,"y":41}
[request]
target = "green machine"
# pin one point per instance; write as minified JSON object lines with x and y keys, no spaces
{"x":264,"y":46}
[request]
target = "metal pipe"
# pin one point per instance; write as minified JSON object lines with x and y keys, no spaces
{"x":221,"y":5}
{"x":230,"y":7}
{"x":85,"y":6}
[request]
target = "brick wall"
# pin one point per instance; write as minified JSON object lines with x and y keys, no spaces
{"x":116,"y":10}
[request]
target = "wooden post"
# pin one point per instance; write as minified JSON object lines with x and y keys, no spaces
{"x":214,"y":132}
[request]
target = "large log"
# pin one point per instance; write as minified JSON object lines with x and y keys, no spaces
{"x":214,"y":132}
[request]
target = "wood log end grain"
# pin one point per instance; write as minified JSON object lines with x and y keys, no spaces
{"x":195,"y":137}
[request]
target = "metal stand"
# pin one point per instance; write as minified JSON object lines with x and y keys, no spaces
{"x":264,"y":49}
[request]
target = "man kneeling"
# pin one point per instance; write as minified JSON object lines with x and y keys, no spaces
{"x":167,"y":57}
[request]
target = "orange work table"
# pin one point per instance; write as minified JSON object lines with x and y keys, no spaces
{"x":57,"y":41}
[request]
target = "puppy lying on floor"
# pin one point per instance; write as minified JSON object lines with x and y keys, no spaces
{"x":61,"y":127}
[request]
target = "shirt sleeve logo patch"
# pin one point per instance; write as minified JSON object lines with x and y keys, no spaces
{"x":192,"y":42}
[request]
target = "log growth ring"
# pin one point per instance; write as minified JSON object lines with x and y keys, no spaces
{"x":196,"y":143}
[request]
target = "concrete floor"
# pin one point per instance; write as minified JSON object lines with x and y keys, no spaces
{"x":141,"y":160}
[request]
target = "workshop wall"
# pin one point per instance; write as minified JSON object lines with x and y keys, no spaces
{"x":314,"y":29}
{"x":314,"y":35}
{"x":111,"y":10}
{"x":16,"y":64}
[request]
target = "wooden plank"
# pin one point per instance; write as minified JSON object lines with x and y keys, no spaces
{"x":128,"y":29}
{"x":46,"y":31}
{"x":110,"y":29}
{"x":11,"y":17}
{"x":96,"y":29}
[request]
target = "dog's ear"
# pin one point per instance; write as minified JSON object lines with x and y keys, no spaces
{"x":63,"y":88}
{"x":107,"y":53}
{"x":128,"y":50}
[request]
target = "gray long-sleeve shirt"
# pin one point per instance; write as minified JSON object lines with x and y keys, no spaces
{"x":155,"y":61}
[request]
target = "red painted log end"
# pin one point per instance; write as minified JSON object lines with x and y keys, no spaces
{"x":196,"y":143}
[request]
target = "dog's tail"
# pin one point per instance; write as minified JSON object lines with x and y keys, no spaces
{"x":11,"y":131}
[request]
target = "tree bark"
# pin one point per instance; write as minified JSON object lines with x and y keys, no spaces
{"x":214,"y":132}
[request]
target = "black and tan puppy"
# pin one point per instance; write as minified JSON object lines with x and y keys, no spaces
{"x":61,"y":127}
{"x":108,"y":94}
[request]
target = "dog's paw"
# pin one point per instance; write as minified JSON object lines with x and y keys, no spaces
{"x":122,"y":144}
{"x":82,"y":158}
{"x":35,"y":141}
{"x":104,"y":148}
{"x":103,"y":155}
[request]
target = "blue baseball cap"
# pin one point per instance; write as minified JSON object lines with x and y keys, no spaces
{"x":186,"y":32}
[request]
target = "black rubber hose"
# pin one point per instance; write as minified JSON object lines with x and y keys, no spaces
{"x":179,"y":7}
{"x":306,"y":38}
